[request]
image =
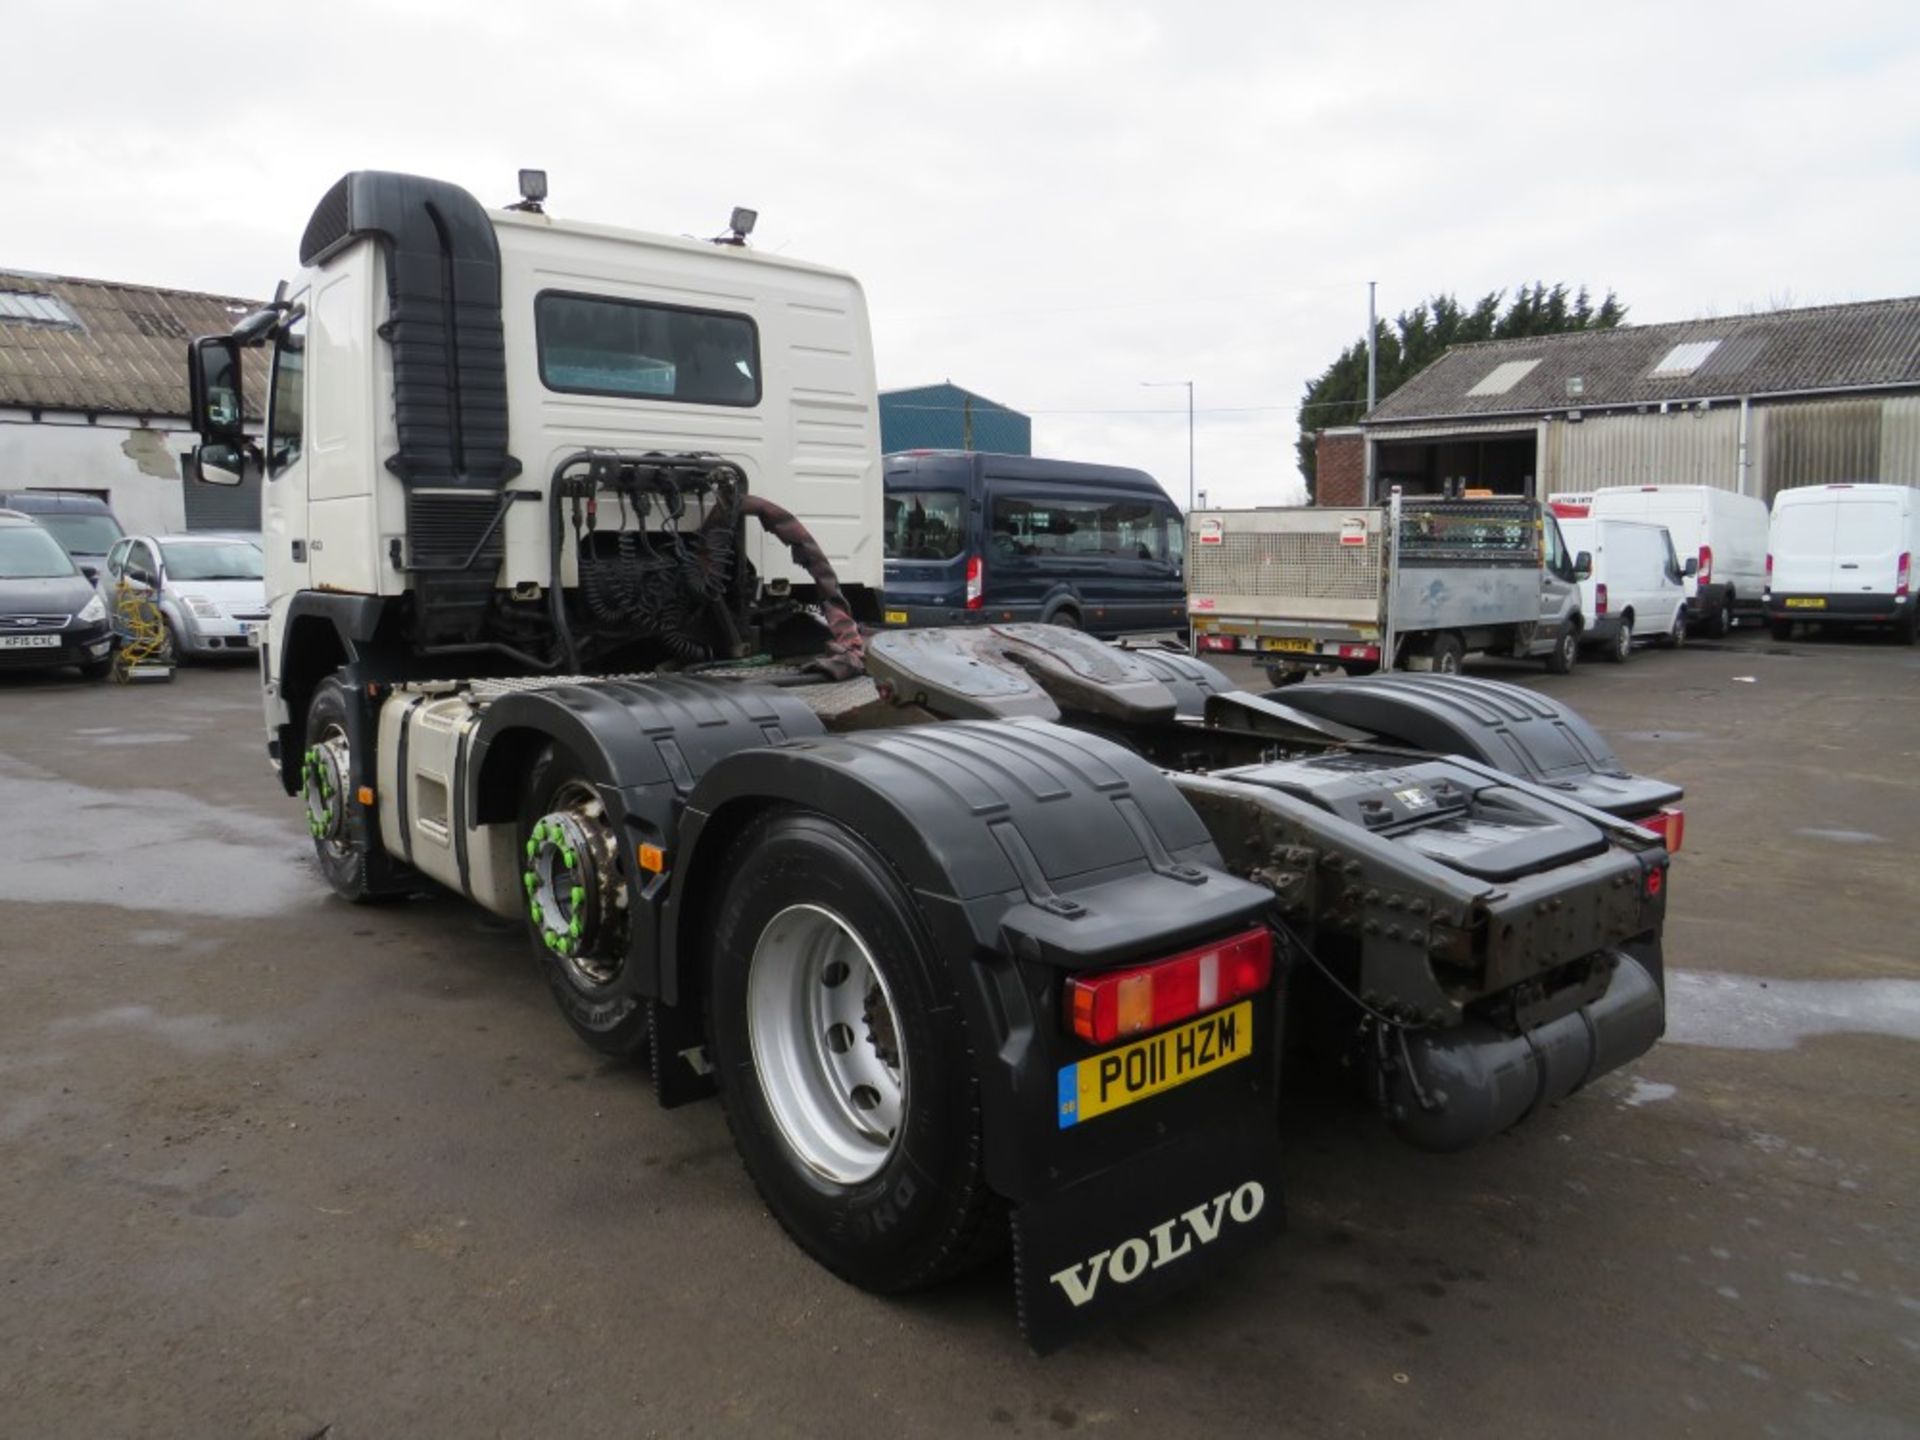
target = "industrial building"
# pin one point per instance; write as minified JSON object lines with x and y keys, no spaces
{"x":93,"y":398}
{"x":1752,"y":403}
{"x":946,"y":417}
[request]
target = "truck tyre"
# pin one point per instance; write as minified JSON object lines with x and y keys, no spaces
{"x":1782,"y":630}
{"x":1721,"y":625}
{"x":846,"y":1076}
{"x":1066,"y":617}
{"x":580,"y":941}
{"x":1620,"y":648}
{"x":327,"y":782}
{"x":1449,"y":650}
{"x":1907,"y":632}
{"x":1566,"y":650}
{"x":1676,"y":636}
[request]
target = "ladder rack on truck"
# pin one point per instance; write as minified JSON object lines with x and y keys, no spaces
{"x":1417,"y":583}
{"x":978,"y":935}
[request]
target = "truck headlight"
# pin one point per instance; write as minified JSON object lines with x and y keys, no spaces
{"x":94,"y":611}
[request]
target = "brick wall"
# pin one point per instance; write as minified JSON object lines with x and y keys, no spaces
{"x":1340,"y":468}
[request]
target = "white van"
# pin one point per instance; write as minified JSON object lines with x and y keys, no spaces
{"x":1843,"y":555}
{"x":1636,"y":588}
{"x":1724,"y":532}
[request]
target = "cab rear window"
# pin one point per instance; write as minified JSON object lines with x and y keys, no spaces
{"x":595,"y":345}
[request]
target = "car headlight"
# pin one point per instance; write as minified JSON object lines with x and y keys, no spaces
{"x":202,"y":609}
{"x":94,"y":611}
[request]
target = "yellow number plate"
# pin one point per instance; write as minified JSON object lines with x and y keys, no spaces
{"x":1807,"y":602}
{"x":1286,"y":642}
{"x":896,"y":617}
{"x":1160,"y":1062}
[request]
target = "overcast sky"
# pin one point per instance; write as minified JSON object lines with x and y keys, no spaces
{"x":1048,"y":203}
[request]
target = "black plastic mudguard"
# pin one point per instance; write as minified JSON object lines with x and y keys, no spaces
{"x":1516,"y":730}
{"x":1034,"y":851}
{"x":647,"y":743}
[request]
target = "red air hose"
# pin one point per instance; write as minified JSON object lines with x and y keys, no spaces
{"x":846,"y":654}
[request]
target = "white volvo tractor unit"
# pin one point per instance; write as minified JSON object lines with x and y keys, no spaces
{"x":573,"y":553}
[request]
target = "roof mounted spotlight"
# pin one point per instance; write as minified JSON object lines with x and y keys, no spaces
{"x":739,"y":225}
{"x":533,"y":190}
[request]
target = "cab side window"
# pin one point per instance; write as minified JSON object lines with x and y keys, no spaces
{"x":286,"y":410}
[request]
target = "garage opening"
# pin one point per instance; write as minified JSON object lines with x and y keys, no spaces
{"x":1447,"y":464}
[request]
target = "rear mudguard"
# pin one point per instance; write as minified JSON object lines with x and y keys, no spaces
{"x":1516,"y":730}
{"x":1034,"y":851}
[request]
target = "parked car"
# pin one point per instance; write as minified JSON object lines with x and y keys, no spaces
{"x":1636,"y":588}
{"x":50,"y":613}
{"x":1724,"y":533}
{"x":208,"y":587}
{"x":1842,"y":555}
{"x":83,"y":524}
{"x":983,"y":539}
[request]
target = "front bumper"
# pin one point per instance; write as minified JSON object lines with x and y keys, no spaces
{"x":78,"y":645}
{"x":225,"y":636}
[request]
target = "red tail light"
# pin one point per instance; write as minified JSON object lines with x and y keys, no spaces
{"x":1600,"y":599}
{"x":1903,"y":575}
{"x":1106,"y":1007}
{"x":1670,"y":824}
{"x":1219,"y":642}
{"x":1706,"y":563}
{"x":1769,"y":569}
{"x":976,"y":583}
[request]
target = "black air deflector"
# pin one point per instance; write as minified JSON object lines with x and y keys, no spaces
{"x":449,"y":380}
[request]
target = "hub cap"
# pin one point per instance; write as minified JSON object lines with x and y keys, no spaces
{"x":827,"y":1044}
{"x":575,"y":897}
{"x":324,"y":772}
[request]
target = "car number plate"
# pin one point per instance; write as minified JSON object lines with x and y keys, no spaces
{"x":1133,"y":1072}
{"x":29,"y":642}
{"x":1807,"y":602}
{"x":1286,"y":642}
{"x":896,"y":617}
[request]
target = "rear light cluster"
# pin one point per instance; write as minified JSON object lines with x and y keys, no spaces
{"x":1218,"y":642}
{"x":1117,"y":1003}
{"x":1903,"y":575}
{"x":1769,"y":569}
{"x":1359,"y":652}
{"x":1670,"y":824}
{"x":976,"y":586}
{"x":1600,"y":599}
{"x":1706,"y":564}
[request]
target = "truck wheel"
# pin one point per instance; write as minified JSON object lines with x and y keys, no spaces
{"x":577,"y":907}
{"x":844,"y":1071}
{"x":1566,"y":650}
{"x":1721,"y":625}
{"x":1620,"y":648}
{"x":1066,"y":618}
{"x":1676,"y":636}
{"x":327,"y":784}
{"x":1448,"y":653}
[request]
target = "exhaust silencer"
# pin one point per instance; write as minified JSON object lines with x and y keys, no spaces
{"x":1476,"y":1081}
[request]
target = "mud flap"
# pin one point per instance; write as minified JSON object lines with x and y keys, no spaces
{"x":681,"y":1071}
{"x":1120,"y":1241}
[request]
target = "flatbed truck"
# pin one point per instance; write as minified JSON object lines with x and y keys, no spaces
{"x":980,"y":936}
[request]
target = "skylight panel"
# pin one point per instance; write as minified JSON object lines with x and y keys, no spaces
{"x":1503,"y":377}
{"x":35,"y":309}
{"x":1683,"y":359}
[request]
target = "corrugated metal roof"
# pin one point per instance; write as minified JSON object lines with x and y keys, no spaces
{"x":124,"y":352}
{"x":1831,"y":347}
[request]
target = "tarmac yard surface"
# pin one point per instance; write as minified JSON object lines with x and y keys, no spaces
{"x":271,"y":1165}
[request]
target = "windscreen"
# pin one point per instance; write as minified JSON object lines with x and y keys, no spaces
{"x":211,"y":560}
{"x":925,"y":524}
{"x":29,"y":553}
{"x":81,"y":533}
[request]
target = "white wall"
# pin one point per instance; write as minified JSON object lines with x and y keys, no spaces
{"x":138,"y":467}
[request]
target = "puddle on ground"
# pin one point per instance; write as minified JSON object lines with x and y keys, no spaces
{"x":196,"y":1034}
{"x":1845,"y":837}
{"x":1663,"y":735}
{"x":139,"y":737}
{"x":1744,"y":1012}
{"x":145,"y":850}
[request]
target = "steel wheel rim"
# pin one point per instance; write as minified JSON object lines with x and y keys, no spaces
{"x":827,"y":1044}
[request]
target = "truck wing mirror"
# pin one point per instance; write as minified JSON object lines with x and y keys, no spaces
{"x":213,"y":387}
{"x":1692,"y":567}
{"x":220,"y":463}
{"x":1583,"y":565}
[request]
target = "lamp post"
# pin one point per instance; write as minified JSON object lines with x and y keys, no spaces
{"x":1189,"y":385}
